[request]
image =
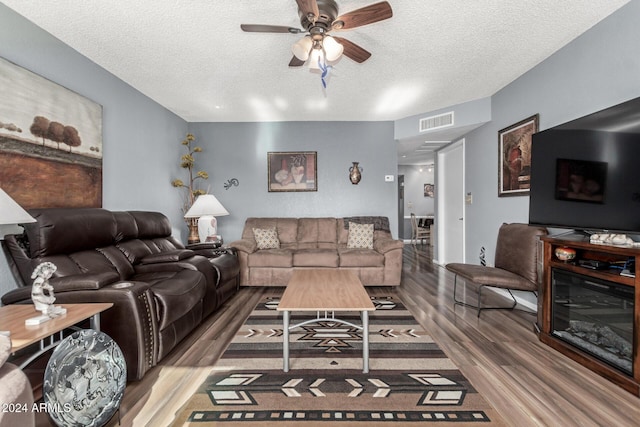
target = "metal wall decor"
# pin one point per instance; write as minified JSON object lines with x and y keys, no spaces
{"x":233,"y":182}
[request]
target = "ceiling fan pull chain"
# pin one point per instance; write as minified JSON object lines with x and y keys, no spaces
{"x":325,"y":71}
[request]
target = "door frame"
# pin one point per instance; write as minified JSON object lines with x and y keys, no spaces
{"x":442,"y":235}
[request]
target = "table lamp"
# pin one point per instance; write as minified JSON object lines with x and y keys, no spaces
{"x":206,"y":208}
{"x":11,"y":214}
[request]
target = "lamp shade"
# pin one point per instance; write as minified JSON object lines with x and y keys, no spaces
{"x":11,"y":212}
{"x":332,"y":49}
{"x":206,"y":204}
{"x":316,"y":58}
{"x":302,"y":47}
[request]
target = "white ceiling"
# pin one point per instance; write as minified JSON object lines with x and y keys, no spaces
{"x":191,"y":56}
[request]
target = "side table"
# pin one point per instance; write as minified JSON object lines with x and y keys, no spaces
{"x":12,"y":319}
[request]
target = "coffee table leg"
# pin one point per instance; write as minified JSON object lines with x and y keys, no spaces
{"x":94,"y":323}
{"x":365,"y":342}
{"x":285,"y":341}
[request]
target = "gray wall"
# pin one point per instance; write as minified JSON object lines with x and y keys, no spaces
{"x":140,"y":138}
{"x":599,"y":69}
{"x":239,"y":150}
{"x":467,"y":115}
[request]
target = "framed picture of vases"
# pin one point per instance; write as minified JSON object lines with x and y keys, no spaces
{"x":292,"y":171}
{"x":514,"y":156}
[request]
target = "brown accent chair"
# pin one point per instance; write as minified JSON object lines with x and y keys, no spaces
{"x":516,"y":265}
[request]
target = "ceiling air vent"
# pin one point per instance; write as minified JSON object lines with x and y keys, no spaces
{"x":436,"y":122}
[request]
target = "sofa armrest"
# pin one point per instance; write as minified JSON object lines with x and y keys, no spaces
{"x":200,"y":246}
{"x":131,"y":321}
{"x":17,"y":295}
{"x":76,"y":282}
{"x":172,"y":256}
{"x":245,"y":245}
{"x":385,"y":245}
{"x":83,"y":282}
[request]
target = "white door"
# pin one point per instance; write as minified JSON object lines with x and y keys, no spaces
{"x":451,"y":203}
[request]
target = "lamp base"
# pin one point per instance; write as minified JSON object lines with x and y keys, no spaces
{"x":192,"y":223}
{"x":207,"y":226}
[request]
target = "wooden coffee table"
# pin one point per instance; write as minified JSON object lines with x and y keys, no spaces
{"x":327,"y":291}
{"x":12,"y":318}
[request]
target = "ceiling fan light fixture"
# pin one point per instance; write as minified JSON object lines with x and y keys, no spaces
{"x":332,"y":49}
{"x":302,"y":48}
{"x":316,"y":58}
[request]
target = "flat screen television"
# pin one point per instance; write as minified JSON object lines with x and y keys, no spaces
{"x":585,"y":174}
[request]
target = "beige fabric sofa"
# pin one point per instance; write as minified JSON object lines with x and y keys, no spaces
{"x":317,"y":243}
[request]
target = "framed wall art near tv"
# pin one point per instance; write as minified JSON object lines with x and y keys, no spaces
{"x":50,"y":142}
{"x":292,"y":171}
{"x":514,"y":157}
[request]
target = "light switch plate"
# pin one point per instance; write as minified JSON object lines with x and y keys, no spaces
{"x":468,"y":199}
{"x":388,"y":178}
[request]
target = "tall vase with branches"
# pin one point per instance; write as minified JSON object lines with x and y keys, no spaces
{"x":190,"y":189}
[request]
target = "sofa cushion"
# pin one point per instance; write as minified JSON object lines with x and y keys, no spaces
{"x":360,"y":236}
{"x":68,"y":230}
{"x":360,"y":258}
{"x":317,"y":231}
{"x":271,"y":258}
{"x":266,"y":238}
{"x":315,"y":258}
{"x":151,"y":224}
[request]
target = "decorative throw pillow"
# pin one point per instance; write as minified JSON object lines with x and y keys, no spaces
{"x":266,"y":238}
{"x":360,"y":236}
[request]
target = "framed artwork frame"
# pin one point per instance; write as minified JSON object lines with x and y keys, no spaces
{"x":429,"y":190}
{"x":289,"y":171}
{"x":514,"y":157}
{"x":50,"y":142}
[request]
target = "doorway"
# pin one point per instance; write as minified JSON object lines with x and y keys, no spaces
{"x":400,"y":206}
{"x":451,"y":207}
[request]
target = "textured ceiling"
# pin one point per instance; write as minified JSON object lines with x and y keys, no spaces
{"x":191,"y":56}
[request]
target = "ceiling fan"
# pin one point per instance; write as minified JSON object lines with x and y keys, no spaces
{"x":318,"y":18}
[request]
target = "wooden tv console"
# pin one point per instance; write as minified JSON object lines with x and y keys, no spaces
{"x":587,"y":251}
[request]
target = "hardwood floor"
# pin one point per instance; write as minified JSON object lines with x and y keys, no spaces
{"x":527,"y":382}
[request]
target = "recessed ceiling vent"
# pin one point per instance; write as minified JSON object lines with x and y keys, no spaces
{"x":436,"y":122}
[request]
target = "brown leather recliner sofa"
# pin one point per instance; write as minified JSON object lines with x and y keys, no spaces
{"x":161,"y":291}
{"x":305,"y":243}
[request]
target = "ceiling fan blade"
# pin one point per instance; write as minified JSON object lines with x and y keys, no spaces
{"x":258,"y":28}
{"x":295,"y":62}
{"x":352,"y":50}
{"x":363,"y":16}
{"x":309,"y":7}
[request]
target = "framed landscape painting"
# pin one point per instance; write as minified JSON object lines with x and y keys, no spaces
{"x":292,"y":171}
{"x":50,"y":142}
{"x":514,"y":156}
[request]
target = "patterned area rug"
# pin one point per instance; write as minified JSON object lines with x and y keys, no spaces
{"x":411,"y":381}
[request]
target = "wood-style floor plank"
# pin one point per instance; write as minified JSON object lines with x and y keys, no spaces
{"x":527,"y":382}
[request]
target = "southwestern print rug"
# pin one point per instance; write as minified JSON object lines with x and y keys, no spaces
{"x":411,"y":381}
